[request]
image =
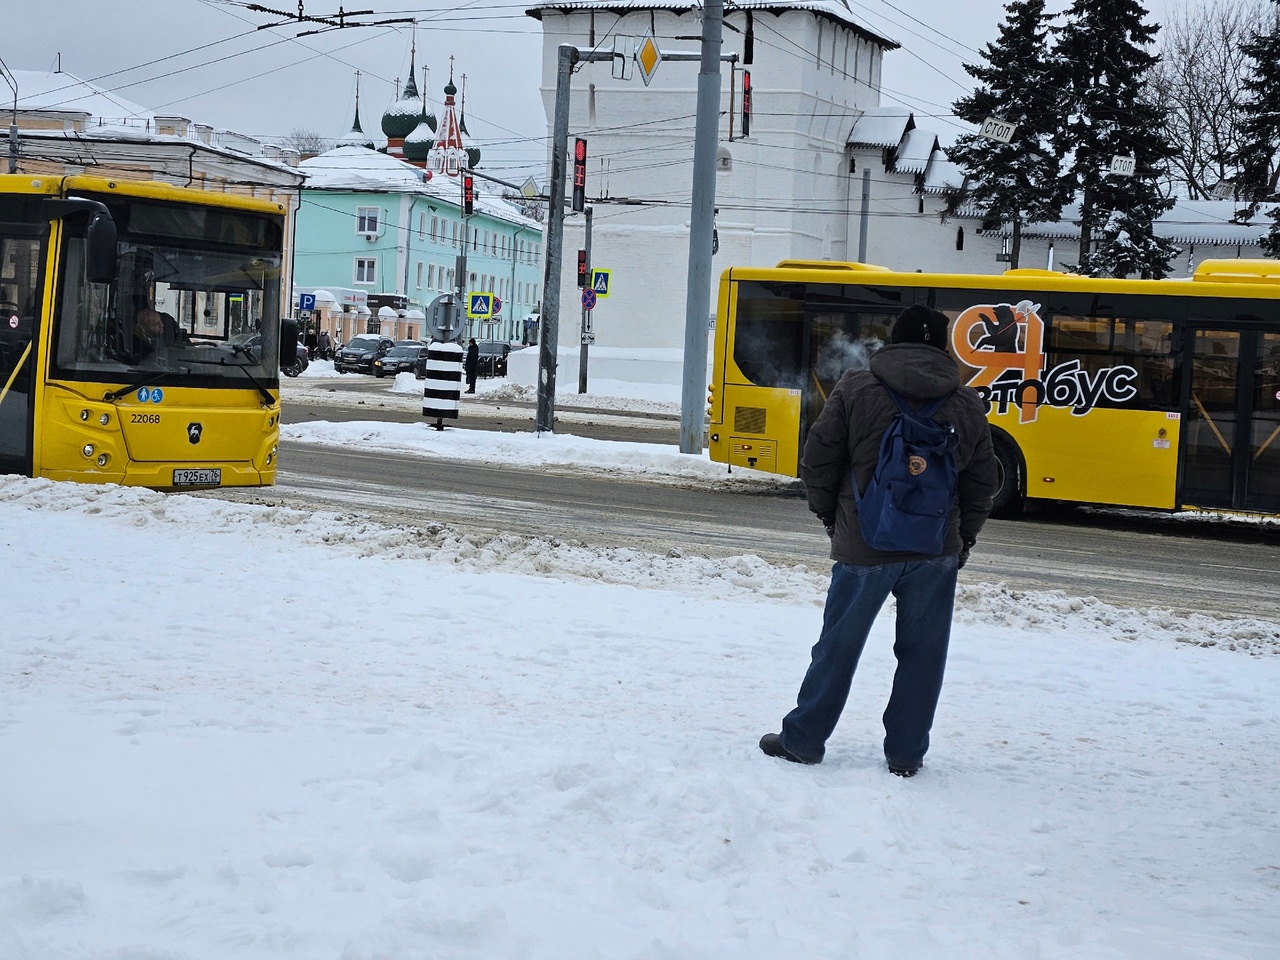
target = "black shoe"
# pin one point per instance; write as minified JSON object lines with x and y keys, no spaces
{"x":771,"y":746}
{"x":903,"y":771}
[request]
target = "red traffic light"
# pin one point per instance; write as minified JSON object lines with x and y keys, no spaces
{"x":579,"y":175}
{"x":746,"y":103}
{"x":582,"y":268}
{"x":468,"y":195}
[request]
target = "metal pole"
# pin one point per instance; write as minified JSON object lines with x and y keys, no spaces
{"x":586,"y":316}
{"x":550,"y":339}
{"x":866,"y":215}
{"x":693,"y":399}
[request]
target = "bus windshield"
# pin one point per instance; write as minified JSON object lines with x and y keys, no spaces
{"x":194,"y":286}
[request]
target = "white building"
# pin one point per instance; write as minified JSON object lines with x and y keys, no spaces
{"x":815,"y":68}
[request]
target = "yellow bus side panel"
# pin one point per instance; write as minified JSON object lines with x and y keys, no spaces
{"x":144,"y":442}
{"x":760,"y":429}
{"x":1127,"y":457}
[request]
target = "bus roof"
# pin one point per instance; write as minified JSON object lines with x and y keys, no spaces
{"x":147,"y":189}
{"x":1213,"y":278}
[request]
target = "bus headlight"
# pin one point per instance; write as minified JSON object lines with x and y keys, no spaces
{"x":88,"y":450}
{"x":104,"y":419}
{"x":715,"y":438}
{"x":102,"y":459}
{"x":84,"y":414}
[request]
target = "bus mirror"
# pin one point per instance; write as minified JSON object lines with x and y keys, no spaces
{"x":288,"y":342}
{"x":100,"y":257}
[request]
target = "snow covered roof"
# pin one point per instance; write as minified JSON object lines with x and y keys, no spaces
{"x":882,"y":127}
{"x":914,"y":153}
{"x":941,"y":174}
{"x":359,"y":169}
{"x":38,"y":90}
{"x":1199,"y":222}
{"x":835,"y":10}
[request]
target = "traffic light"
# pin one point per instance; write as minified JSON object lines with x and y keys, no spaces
{"x":579,"y":175}
{"x":582,"y":268}
{"x":468,"y":195}
{"x":746,"y":103}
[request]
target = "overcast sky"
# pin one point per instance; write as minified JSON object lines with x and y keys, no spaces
{"x":208,"y":61}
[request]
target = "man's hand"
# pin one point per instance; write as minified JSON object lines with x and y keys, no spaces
{"x":964,"y":553}
{"x":829,"y":526}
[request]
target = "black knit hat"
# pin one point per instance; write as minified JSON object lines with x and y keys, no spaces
{"x":920,"y":324}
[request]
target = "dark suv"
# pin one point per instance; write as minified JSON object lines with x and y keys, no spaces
{"x":360,"y":352}
{"x":493,"y":358}
{"x":404,"y":356}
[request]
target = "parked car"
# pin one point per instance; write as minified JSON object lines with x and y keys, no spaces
{"x":493,"y":357}
{"x":299,"y":364}
{"x":404,"y":356}
{"x":360,"y":353}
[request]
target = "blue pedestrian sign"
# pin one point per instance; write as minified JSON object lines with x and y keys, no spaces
{"x":588,"y":299}
{"x":600,"y":282}
{"x":480,"y":306}
{"x":306,"y":302}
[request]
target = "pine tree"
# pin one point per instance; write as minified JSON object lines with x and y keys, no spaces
{"x":1260,"y":159}
{"x":1104,"y":45}
{"x":1016,"y":182}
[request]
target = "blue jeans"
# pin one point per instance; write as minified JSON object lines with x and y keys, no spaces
{"x":926,"y":591}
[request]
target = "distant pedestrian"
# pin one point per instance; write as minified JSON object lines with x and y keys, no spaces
{"x":326,"y":346}
{"x":843,"y":447}
{"x":472,"y":364}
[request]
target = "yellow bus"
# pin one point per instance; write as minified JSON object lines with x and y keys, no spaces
{"x":140,"y":333}
{"x":1161,"y":394}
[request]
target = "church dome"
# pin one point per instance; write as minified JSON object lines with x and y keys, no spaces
{"x":402,"y":116}
{"x":419,"y":142}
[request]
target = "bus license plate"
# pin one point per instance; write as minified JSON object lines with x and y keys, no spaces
{"x":203,"y":477}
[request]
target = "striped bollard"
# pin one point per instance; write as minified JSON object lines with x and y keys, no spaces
{"x":444,"y":382}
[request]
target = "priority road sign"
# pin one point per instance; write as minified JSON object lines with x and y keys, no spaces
{"x":600,"y":282}
{"x":480,"y":306}
{"x":588,"y":299}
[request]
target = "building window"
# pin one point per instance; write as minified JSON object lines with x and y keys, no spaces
{"x":435,"y":228}
{"x":959,"y":238}
{"x":419,"y":274}
{"x":367,"y":219}
{"x":455,"y":232}
{"x":366,"y":270}
{"x":422,"y":227}
{"x":431,"y":276}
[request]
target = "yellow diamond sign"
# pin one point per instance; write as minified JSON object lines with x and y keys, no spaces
{"x":648,"y":56}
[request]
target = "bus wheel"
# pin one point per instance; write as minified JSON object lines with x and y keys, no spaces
{"x":1008,"y":499}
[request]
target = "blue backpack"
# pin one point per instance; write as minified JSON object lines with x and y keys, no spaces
{"x":906,"y":507}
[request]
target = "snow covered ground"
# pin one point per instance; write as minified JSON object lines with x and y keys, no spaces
{"x":233,"y":730}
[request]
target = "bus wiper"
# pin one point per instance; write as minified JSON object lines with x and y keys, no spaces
{"x":238,"y":348}
{"x":265,"y":393}
{"x":115,"y":395}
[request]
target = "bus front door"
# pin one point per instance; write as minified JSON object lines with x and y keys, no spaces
{"x":1231,"y":440}
{"x":19,"y":272}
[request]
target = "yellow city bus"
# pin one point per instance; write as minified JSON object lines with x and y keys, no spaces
{"x":140,"y":333}
{"x":1143,"y":393}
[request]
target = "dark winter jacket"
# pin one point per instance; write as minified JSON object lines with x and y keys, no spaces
{"x":849,"y":430}
{"x":472,"y":362}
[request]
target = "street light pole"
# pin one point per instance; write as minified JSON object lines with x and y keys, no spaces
{"x":550,"y":339}
{"x":584,"y":345}
{"x":701,"y":226}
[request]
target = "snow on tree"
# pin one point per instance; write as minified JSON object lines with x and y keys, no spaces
{"x":1104,"y":45}
{"x":1016,"y":182}
{"x":1260,"y":158}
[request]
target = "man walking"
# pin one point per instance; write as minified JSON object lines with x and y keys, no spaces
{"x":844,"y":445}
{"x":471,"y":365}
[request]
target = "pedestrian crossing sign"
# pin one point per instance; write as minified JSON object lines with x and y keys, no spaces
{"x":600,"y":282}
{"x":480,"y":306}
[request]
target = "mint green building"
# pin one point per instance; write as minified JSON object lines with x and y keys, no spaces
{"x":378,"y":238}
